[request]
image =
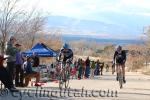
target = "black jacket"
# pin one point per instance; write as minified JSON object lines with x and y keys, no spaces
{"x":65,"y":55}
{"x":120,"y":57}
{"x":36,"y":61}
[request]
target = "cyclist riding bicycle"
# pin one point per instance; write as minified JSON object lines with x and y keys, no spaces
{"x":66,"y":54}
{"x":120,"y":60}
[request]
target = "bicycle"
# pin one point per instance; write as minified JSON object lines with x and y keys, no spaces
{"x":64,"y":75}
{"x":120,"y":76}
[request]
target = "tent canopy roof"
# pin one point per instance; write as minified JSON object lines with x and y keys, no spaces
{"x":41,"y":50}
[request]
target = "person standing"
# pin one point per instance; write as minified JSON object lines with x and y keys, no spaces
{"x":36,"y":60}
{"x":19,"y":70}
{"x":80,"y":68}
{"x":11,"y":51}
{"x":92,"y":69}
{"x":97,"y":70}
{"x":101,"y":68}
{"x":87,"y":70}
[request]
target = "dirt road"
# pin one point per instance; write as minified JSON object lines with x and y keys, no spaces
{"x":100,"y":88}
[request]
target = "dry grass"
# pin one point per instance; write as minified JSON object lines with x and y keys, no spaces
{"x":146,"y":70}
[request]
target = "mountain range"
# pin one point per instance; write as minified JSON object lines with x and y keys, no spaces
{"x":81,"y":25}
{"x":88,"y":29}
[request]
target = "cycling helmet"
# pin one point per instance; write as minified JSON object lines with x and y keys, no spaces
{"x":119,"y":48}
{"x":66,"y":46}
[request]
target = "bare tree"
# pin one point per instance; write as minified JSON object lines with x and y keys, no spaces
{"x":15,"y":20}
{"x":8,"y":17}
{"x":146,"y":31}
{"x":31,"y":30}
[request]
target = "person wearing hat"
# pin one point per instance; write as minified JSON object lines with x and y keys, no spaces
{"x":18,"y":67}
{"x":11,"y":50}
{"x":5,"y":77}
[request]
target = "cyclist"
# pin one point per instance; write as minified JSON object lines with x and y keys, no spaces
{"x":120,"y":59}
{"x":66,"y":54}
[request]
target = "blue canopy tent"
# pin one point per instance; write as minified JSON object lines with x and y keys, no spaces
{"x":42,"y":50}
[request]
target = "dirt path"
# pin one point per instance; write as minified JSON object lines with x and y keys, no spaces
{"x":137,"y":87}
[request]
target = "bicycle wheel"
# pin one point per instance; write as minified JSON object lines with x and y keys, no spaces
{"x":61,"y":82}
{"x":67,"y":76}
{"x":120,"y":78}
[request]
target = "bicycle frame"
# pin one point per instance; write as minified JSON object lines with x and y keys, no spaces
{"x":120,"y":75}
{"x":63,"y":78}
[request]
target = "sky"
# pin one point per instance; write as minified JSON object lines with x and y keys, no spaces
{"x":133,"y":15}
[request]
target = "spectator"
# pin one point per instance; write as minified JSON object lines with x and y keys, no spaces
{"x":101,"y":68}
{"x":29,"y":73}
{"x":97,"y":70}
{"x":5,"y":77}
{"x":87,"y":70}
{"x":80,"y":64}
{"x":36,"y":60}
{"x":73,"y":71}
{"x":92,"y":68}
{"x":107,"y":68}
{"x":52,"y":71}
{"x":11,"y":51}
{"x":113,"y":68}
{"x":19,"y":70}
{"x":83,"y":68}
{"x":76,"y":65}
